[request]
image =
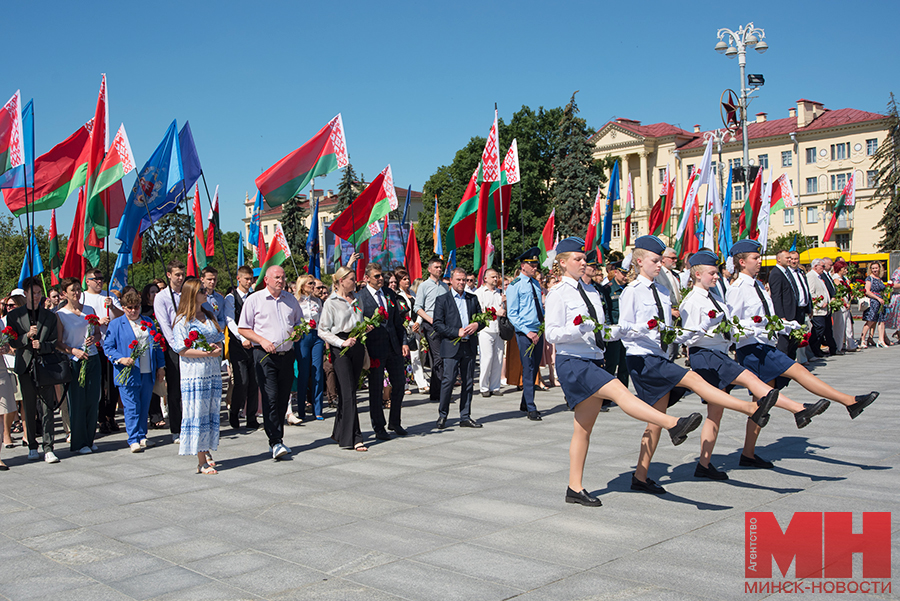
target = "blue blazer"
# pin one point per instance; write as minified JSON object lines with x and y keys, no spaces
{"x":118,"y":336}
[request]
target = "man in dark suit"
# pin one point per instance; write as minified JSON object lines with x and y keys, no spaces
{"x":452,"y":319}
{"x":785,"y":299}
{"x":388,"y":347}
{"x":37,"y":335}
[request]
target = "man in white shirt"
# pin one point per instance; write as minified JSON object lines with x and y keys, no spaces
{"x":671,"y":279}
{"x":471,"y":286}
{"x":107,"y":308}
{"x":245,"y":390}
{"x":164,"y":307}
{"x":490,"y":345}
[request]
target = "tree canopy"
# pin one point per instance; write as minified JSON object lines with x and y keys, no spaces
{"x":888,"y":174}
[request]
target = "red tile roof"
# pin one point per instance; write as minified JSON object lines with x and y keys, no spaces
{"x":656,"y":130}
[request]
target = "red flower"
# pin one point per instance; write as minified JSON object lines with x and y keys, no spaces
{"x":578,"y":320}
{"x":133,"y":344}
{"x":188,"y":342}
{"x":757,"y":319}
{"x":652,"y":324}
{"x":143,"y":328}
{"x":312,"y":324}
{"x":374,"y":363}
{"x":162,"y":345}
{"x":803,"y":343}
{"x":712,"y":313}
{"x":382,"y":313}
{"x":194,"y":335}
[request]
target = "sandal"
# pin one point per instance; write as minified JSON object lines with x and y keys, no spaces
{"x":209,"y":460}
{"x":16,"y":427}
{"x":206,"y":469}
{"x":360,"y":447}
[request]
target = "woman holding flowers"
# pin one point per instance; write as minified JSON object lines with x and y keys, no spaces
{"x":574,"y":323}
{"x":756,"y":351}
{"x":309,"y":349}
{"x":342,"y":320}
{"x":77,"y":339}
{"x":892,"y":317}
{"x":198,"y":340}
{"x":874,"y":315}
{"x":842,"y":322}
{"x":135,"y":349}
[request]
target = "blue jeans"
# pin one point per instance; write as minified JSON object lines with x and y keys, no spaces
{"x":309,"y":351}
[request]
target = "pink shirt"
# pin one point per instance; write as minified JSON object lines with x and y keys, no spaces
{"x":272,"y":318}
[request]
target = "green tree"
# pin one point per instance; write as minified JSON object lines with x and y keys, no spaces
{"x":575,"y":173}
{"x":885,"y":162}
{"x":295,"y":232}
{"x":786,"y":241}
{"x":350,"y":187}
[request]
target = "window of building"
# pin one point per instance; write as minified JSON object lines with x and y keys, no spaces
{"x":763,"y":161}
{"x":839,"y":180}
{"x":266,"y":230}
{"x":871,"y":146}
{"x":738,"y":192}
{"x":617,"y":230}
{"x":789,"y":216}
{"x":734,"y":163}
{"x":662,"y":175}
{"x":635,"y":230}
{"x":812,"y":185}
{"x":810,"y":155}
{"x":839,"y":152}
{"x":690,"y":171}
{"x":787,"y":158}
{"x":872,"y":179}
{"x":843,"y":241}
{"x":812,"y":214}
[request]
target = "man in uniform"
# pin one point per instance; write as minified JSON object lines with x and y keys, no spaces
{"x":525,"y":309}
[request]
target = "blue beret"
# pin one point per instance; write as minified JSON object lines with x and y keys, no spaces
{"x":570,"y":245}
{"x":703,"y":257}
{"x":745,"y":246}
{"x":531,"y":254}
{"x":651,"y":243}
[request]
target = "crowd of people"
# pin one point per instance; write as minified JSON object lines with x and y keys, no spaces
{"x":288,"y":350}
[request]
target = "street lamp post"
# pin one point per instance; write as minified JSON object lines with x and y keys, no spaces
{"x":745,"y":37}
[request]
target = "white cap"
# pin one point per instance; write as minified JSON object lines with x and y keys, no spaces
{"x":17,"y":292}
{"x":626,"y":262}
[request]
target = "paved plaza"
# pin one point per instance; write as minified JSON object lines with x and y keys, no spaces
{"x":440,"y":515}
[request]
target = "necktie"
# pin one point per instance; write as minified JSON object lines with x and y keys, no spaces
{"x":762,"y":299}
{"x":661,"y":317}
{"x":381,"y":302}
{"x":593,"y":313}
{"x":805,"y":285}
{"x":718,"y":307}
{"x":537,"y":302}
{"x":790,"y":279}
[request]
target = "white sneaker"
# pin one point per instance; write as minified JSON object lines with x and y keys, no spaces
{"x":33,"y":455}
{"x":85,"y":450}
{"x":136,"y":447}
{"x":293,"y":420}
{"x":49,"y":457}
{"x":280,"y":450}
{"x":146,"y":444}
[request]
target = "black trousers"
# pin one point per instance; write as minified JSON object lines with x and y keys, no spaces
{"x":822,"y":333}
{"x":396,"y":369}
{"x":274,"y":376}
{"x":109,"y":392}
{"x":465,"y":362}
{"x":614,"y":361}
{"x":347,"y":368}
{"x":173,"y":389}
{"x":437,"y":363}
{"x":245,"y":393}
{"x":31,"y":396}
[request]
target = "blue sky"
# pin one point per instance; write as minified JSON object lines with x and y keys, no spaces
{"x":414,"y":81}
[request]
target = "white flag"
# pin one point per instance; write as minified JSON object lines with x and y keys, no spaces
{"x":702,"y":177}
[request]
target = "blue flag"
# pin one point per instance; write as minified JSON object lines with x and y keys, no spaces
{"x":16,"y":178}
{"x":150,"y":188}
{"x":612,"y":195}
{"x":181,"y":183}
{"x":725,"y":226}
{"x":794,"y":245}
{"x":403,"y":233}
{"x":240,"y":249}
{"x":451,"y":263}
{"x":36,"y":267}
{"x":119,"y":278}
{"x":253,"y":232}
{"x":312,"y":245}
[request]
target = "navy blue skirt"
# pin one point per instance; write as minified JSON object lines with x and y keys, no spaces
{"x":580,"y":378}
{"x":766,"y":361}
{"x":654,"y":377}
{"x":717,"y":368}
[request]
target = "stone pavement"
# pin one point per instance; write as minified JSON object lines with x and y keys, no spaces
{"x":453,"y":514}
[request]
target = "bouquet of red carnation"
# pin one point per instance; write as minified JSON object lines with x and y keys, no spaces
{"x":8,"y":334}
{"x":297,"y":332}
{"x":359,"y":330}
{"x":667,"y":334}
{"x":728,"y":326}
{"x":599,"y":328}
{"x":530,"y":349}
{"x":196,"y":340}
{"x":136,"y":351}
{"x":483,"y":319}
{"x":93,"y":324}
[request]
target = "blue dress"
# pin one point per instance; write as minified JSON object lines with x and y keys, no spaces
{"x":201,"y":390}
{"x":874,"y":312}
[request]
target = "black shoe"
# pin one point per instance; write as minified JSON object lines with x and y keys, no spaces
{"x":103,"y":428}
{"x":486,"y":394}
{"x":441,"y":423}
{"x":756,"y":461}
{"x":861,"y":403}
{"x":519,"y":388}
{"x":534,"y":416}
{"x":469,"y":423}
{"x":497,"y":392}
{"x":810,"y":410}
{"x":679,"y":431}
{"x":761,"y":416}
{"x":582,"y":498}
{"x":523,"y":407}
{"x":114,"y":427}
{"x":649,"y":486}
{"x":398,"y":430}
{"x":709,"y":472}
{"x":604,"y":408}
{"x":253,"y":425}
{"x":382,"y":435}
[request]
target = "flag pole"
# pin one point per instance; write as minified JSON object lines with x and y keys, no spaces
{"x":217,"y":232}
{"x":500,"y":183}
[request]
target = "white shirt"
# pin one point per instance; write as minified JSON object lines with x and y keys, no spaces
{"x":460,"y":300}
{"x":143,"y":338}
{"x":488,"y":298}
{"x":74,"y":329}
{"x":97,"y":302}
{"x":802,"y":287}
{"x":695,"y":310}
{"x":637,"y":306}
{"x":312,"y":307}
{"x":745,"y":304}
{"x":564,"y":304}
{"x":379,"y":296}
{"x":230,"y":309}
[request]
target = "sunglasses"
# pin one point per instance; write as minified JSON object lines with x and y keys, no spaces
{"x":11,"y":306}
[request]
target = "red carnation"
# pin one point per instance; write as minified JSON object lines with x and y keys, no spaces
{"x":312,"y":324}
{"x":652,"y":324}
{"x":143,"y":328}
{"x":374,"y":363}
{"x":757,"y":319}
{"x":382,"y":313}
{"x":162,"y":345}
{"x":194,"y":335}
{"x":712,"y":313}
{"x":578,"y":320}
{"x":188,"y":342}
{"x":133,"y":344}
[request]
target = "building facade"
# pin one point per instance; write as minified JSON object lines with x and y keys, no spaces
{"x":816,"y":147}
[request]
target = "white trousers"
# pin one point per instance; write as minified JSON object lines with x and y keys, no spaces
{"x":842,"y":327}
{"x":490,"y":357}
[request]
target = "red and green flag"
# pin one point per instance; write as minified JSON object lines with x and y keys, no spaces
{"x":278,"y":253}
{"x":361,"y":220}
{"x":492,"y":192}
{"x":199,"y":236}
{"x":96,"y":226}
{"x":191,"y":263}
{"x":595,"y":228}
{"x":847,"y":199}
{"x":462,"y":228}
{"x":321,"y":155}
{"x":413,"y":260}
{"x":73,"y":264}
{"x":119,"y":162}
{"x":661,"y":213}
{"x":55,"y":259}
{"x":750,"y":214}
{"x":12,"y":141}
{"x":213,"y":225}
{"x":629,"y":209}
{"x":545,"y":243}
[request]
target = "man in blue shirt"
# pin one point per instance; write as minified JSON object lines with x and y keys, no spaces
{"x":526,"y":313}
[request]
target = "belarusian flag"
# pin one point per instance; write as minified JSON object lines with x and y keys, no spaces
{"x":337,"y":256}
{"x":413,"y":261}
{"x":191,"y":264}
{"x":702,"y":175}
{"x":360,"y":220}
{"x":325,"y":152}
{"x":492,"y":214}
{"x":57,"y":174}
{"x":847,"y":199}
{"x":12,"y":143}
{"x":629,"y":209}
{"x":55,"y":259}
{"x":750,"y":213}
{"x":509,"y":175}
{"x":199,"y":237}
{"x":595,"y":228}
{"x":462,"y":228}
{"x":545,"y":243}
{"x":783,"y":194}
{"x":662,"y":209}
{"x":436,"y":230}
{"x":489,"y":251}
{"x":213,"y":225}
{"x":278,"y":253}
{"x":96,"y":225}
{"x":73,"y":264}
{"x":119,"y":161}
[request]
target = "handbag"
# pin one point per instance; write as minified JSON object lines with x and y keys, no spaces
{"x":51,"y":369}
{"x":505,"y":326}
